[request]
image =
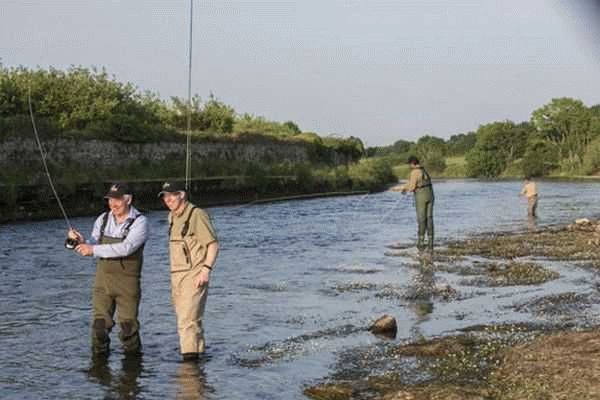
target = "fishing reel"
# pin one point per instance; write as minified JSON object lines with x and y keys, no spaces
{"x":71,"y":243}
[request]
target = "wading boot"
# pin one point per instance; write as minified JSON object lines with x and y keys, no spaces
{"x":421,"y":243}
{"x":430,"y":243}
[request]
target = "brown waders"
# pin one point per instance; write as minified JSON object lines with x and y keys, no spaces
{"x":424,"y":200}
{"x":117,"y":287}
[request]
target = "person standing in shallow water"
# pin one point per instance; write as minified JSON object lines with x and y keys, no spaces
{"x":419,"y":183}
{"x":193,"y":249}
{"x":117,"y":240}
{"x":531,"y":193}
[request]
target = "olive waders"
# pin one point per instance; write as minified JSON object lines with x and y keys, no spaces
{"x":117,"y":287}
{"x":424,"y":200}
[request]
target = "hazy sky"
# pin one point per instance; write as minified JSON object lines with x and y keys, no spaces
{"x":379,"y":70}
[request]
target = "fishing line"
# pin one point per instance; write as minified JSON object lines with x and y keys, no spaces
{"x":39,"y":143}
{"x":188,"y":157}
{"x":396,"y":203}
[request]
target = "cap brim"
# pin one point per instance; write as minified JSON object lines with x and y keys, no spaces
{"x":162,"y":193}
{"x":115,"y":195}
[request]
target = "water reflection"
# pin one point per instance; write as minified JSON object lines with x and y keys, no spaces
{"x":532,"y":224}
{"x":191,"y":381}
{"x":422,"y":290}
{"x":124,"y":384}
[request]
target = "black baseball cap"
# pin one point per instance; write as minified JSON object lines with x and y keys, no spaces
{"x":171,"y":187}
{"x":117,"y":190}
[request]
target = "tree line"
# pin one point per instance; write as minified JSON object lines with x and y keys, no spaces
{"x":562,"y":137}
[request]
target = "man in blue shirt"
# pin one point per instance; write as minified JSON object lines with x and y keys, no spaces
{"x":117,"y":241}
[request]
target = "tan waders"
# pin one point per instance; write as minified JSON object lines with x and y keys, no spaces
{"x":189,"y":302}
{"x":532,"y":203}
{"x":117,"y":288}
{"x":190,"y":234}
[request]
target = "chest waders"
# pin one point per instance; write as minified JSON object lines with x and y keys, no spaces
{"x":424,"y":200}
{"x":180,"y":248}
{"x":188,"y":300}
{"x":117,"y":288}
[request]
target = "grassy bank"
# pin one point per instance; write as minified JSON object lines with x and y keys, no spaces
{"x":82,"y":188}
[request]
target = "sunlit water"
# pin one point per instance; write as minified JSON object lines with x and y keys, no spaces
{"x":295,"y":284}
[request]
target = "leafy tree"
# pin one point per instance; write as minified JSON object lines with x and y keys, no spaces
{"x":292,"y":127}
{"x":591,"y":157}
{"x":459,"y":144}
{"x":400,"y":147}
{"x":217,"y":116}
{"x":569,"y":124}
{"x":540,"y":158}
{"x":431,"y":151}
{"x":498,"y":144}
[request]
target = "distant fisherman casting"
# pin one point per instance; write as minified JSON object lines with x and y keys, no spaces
{"x":419,"y":183}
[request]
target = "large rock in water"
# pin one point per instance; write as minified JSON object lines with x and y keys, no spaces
{"x":385,"y":325}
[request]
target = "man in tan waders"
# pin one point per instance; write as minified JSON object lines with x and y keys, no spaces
{"x":117,"y":240}
{"x":419,"y":183}
{"x":531,"y":193}
{"x":193,"y":249}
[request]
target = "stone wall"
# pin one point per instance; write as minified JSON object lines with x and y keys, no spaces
{"x":106,"y":153}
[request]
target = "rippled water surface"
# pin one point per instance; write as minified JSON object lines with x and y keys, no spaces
{"x":295,"y":284}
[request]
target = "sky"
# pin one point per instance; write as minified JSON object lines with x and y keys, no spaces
{"x":379,"y":70}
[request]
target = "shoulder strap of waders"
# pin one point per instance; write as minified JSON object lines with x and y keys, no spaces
{"x":128,"y":226}
{"x":427,"y":177}
{"x":103,"y":226}
{"x":186,"y":224}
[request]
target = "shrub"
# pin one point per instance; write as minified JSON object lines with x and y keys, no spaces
{"x":591,"y":157}
{"x":540,"y":158}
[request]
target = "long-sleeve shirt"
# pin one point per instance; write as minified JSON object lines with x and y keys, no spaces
{"x":137,"y":236}
{"x":415,"y":180}
{"x":529,"y":190}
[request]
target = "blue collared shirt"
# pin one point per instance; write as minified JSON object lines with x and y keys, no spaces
{"x":137,"y":236}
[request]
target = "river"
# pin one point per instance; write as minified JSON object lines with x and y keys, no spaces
{"x":294,"y":285}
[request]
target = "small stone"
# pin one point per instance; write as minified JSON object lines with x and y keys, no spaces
{"x":401,"y":395}
{"x":385,"y":325}
{"x":581,"y":221}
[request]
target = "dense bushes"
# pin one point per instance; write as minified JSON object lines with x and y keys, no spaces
{"x":540,"y":158}
{"x":90,"y":104}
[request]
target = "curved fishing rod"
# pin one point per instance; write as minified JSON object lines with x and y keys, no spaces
{"x":70,"y":243}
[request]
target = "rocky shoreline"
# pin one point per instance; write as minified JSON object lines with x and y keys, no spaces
{"x":554,"y":355}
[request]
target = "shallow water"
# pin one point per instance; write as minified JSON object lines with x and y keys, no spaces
{"x":295,"y":285}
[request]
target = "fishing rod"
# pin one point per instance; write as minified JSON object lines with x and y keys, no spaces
{"x":69,"y":243}
{"x":188,"y":157}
